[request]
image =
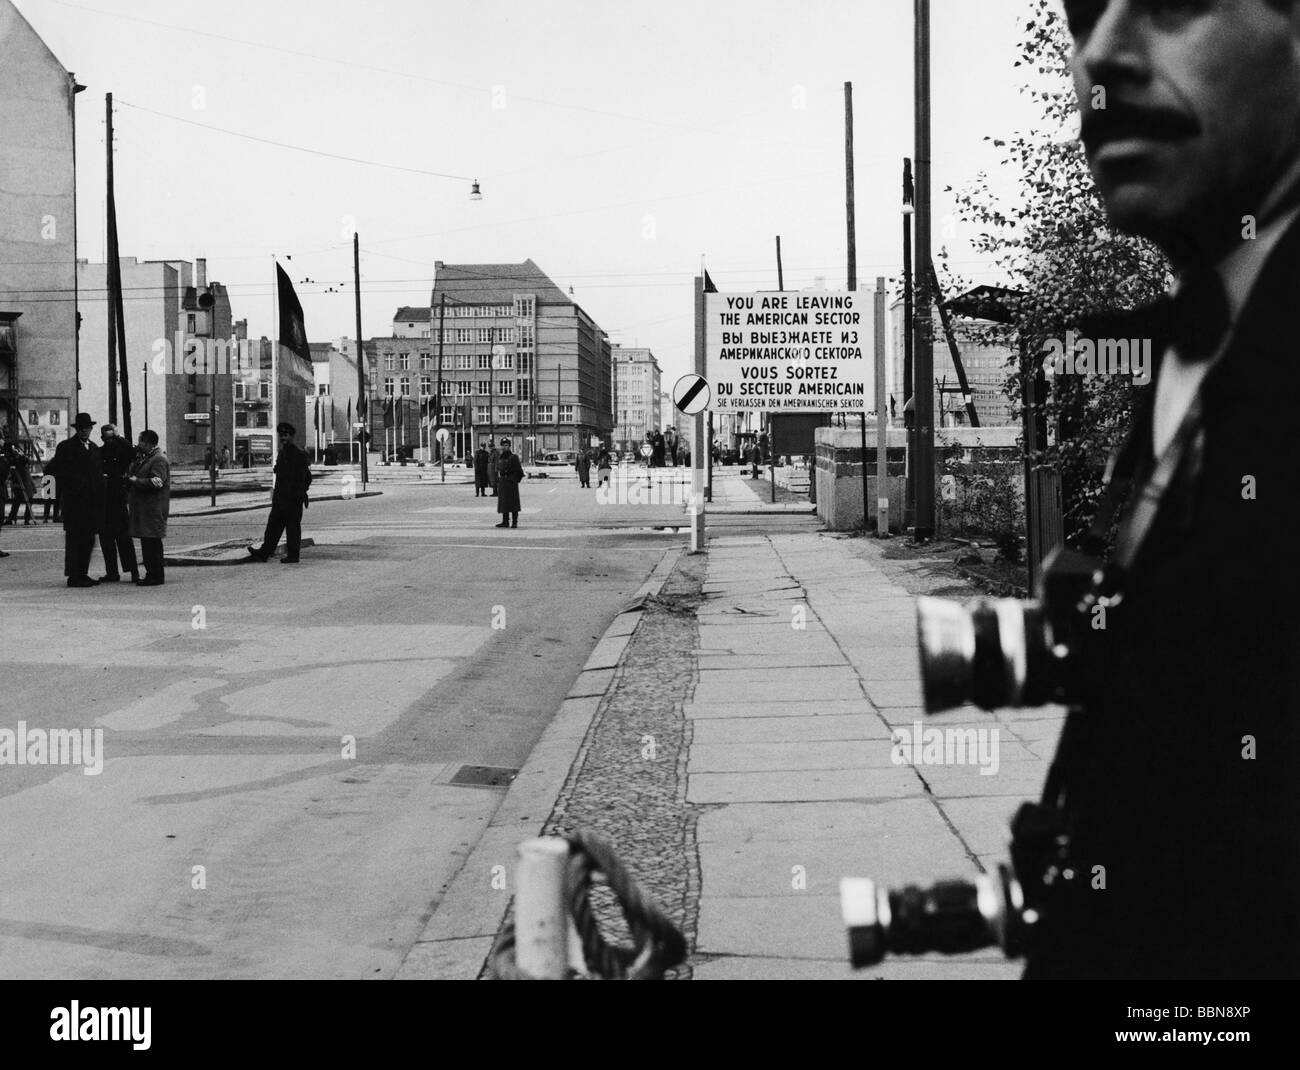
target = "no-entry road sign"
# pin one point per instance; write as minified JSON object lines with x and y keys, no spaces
{"x":691,"y":394}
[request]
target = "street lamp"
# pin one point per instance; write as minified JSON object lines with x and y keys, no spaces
{"x":475,"y":194}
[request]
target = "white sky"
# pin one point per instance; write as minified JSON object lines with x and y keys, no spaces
{"x":634,"y":138}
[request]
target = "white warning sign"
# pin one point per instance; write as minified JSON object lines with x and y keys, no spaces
{"x":788,"y":352}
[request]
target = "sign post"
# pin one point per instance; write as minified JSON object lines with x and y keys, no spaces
{"x":698,"y":544}
{"x":882,"y":416}
{"x":442,"y":436}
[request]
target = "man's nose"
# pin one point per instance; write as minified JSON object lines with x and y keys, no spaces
{"x":1116,"y":46}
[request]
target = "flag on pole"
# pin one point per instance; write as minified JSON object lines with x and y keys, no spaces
{"x":315,"y":416}
{"x":388,"y":412}
{"x":349,"y":412}
{"x":293,"y":328}
{"x":709,"y":288}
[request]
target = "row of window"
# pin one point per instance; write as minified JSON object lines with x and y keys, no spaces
{"x":520,"y":388}
{"x":482,"y":414}
{"x":459,"y":361}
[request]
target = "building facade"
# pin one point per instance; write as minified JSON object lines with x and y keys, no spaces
{"x":332,"y":413}
{"x":38,"y":238}
{"x":179,"y":332}
{"x":518,"y":359}
{"x":267,"y":393}
{"x":986,"y":373}
{"x":639,"y":393}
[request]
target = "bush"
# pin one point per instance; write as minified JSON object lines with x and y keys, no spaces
{"x":987,"y":498}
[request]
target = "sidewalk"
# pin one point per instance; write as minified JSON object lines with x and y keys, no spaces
{"x":770,"y":677}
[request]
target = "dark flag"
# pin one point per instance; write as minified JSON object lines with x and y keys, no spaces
{"x":293,"y":328}
{"x":350,"y":414}
{"x":709,"y":288}
{"x":388,"y":413}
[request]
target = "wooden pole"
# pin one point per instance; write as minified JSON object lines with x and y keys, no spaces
{"x":923,"y":353}
{"x":853,"y":275}
{"x":909,"y":414}
{"x":110,"y":256}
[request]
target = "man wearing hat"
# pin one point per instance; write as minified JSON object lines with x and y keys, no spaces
{"x":78,"y":469}
{"x":115,"y":537}
{"x":292,"y":478}
{"x":510,"y":473}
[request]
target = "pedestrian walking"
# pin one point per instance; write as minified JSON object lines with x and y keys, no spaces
{"x":510,"y":473}
{"x":482,"y":459}
{"x":657,"y":450}
{"x":494,"y":459}
{"x":755,"y":458}
{"x":17,"y":482}
{"x":288,"y":500}
{"x":603,"y":466}
{"x":79,"y":471}
{"x":115,"y":540}
{"x":670,"y":442}
{"x":583,"y":465}
{"x":148,"y":502}
{"x":225,"y":456}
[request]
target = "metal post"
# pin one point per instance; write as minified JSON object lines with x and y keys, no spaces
{"x":541,"y":918}
{"x":882,"y":416}
{"x":698,"y":543}
{"x":923,"y":355}
{"x":145,"y":369}
{"x":361,"y":356}
{"x":909,"y":415}
{"x":442,"y":449}
{"x":110,"y":304}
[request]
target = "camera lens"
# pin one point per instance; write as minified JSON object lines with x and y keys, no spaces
{"x":950,"y":917}
{"x":992,"y":653}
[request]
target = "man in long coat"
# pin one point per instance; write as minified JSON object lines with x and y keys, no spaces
{"x":288,"y":499}
{"x":583,"y":465}
{"x":115,"y":538}
{"x":148,"y":501}
{"x":494,"y":459}
{"x":510,"y":473}
{"x":481,"y":478}
{"x":78,"y":470}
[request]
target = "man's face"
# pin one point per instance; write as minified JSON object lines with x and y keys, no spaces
{"x":285,"y":438}
{"x":106,"y":435}
{"x":83,"y":433}
{"x":143,"y":445}
{"x":1189,"y":108}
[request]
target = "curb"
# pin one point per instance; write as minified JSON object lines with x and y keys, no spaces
{"x":459,"y":935}
{"x":267,"y":504}
{"x":182,"y":559}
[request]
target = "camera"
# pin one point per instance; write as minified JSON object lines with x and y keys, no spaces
{"x":1005,"y":652}
{"x":996,"y":653}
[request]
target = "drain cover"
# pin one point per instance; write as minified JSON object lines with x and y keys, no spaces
{"x":484,"y":776}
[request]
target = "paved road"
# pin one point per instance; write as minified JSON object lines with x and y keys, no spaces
{"x":231,"y":831}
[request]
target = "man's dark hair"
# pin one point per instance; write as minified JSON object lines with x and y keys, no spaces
{"x":150,"y":437}
{"x":286,"y":429}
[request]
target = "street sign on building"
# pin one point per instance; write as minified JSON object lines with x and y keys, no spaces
{"x":788,"y":352}
{"x":197,"y":417}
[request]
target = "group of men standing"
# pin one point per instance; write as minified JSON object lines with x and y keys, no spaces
{"x":664,"y":447}
{"x":117,"y":493}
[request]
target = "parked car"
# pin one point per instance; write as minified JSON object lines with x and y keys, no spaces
{"x":556,"y":459}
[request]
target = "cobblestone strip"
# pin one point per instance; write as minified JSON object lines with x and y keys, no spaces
{"x":628,"y":783}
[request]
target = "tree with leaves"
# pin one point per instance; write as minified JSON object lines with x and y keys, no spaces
{"x":1060,"y":253}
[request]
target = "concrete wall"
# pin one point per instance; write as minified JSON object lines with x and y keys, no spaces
{"x":37,"y":216}
{"x":839,"y":469}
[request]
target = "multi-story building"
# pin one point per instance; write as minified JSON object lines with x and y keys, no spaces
{"x":639,"y":394}
{"x":178,"y":341}
{"x":519,"y":359}
{"x":986,"y":369}
{"x":257,"y":411}
{"x":38,"y":237}
{"x":333,"y":412}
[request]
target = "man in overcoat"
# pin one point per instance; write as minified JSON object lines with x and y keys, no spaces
{"x":115,"y":539}
{"x":1182,"y":779}
{"x":78,"y":470}
{"x":481,"y":480}
{"x":288,"y":499}
{"x":148,"y":501}
{"x":510,"y":473}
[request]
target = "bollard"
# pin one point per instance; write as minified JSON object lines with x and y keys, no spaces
{"x":542,"y":923}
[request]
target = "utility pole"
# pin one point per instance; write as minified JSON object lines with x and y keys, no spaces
{"x":923,"y":354}
{"x":110,"y":305}
{"x":853,"y":270}
{"x":909,"y":403}
{"x":361,"y":358}
{"x":442,"y":316}
{"x":780,"y":274}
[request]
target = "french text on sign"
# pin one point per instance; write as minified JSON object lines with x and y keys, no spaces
{"x":789,"y":352}
{"x":691,"y":394}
